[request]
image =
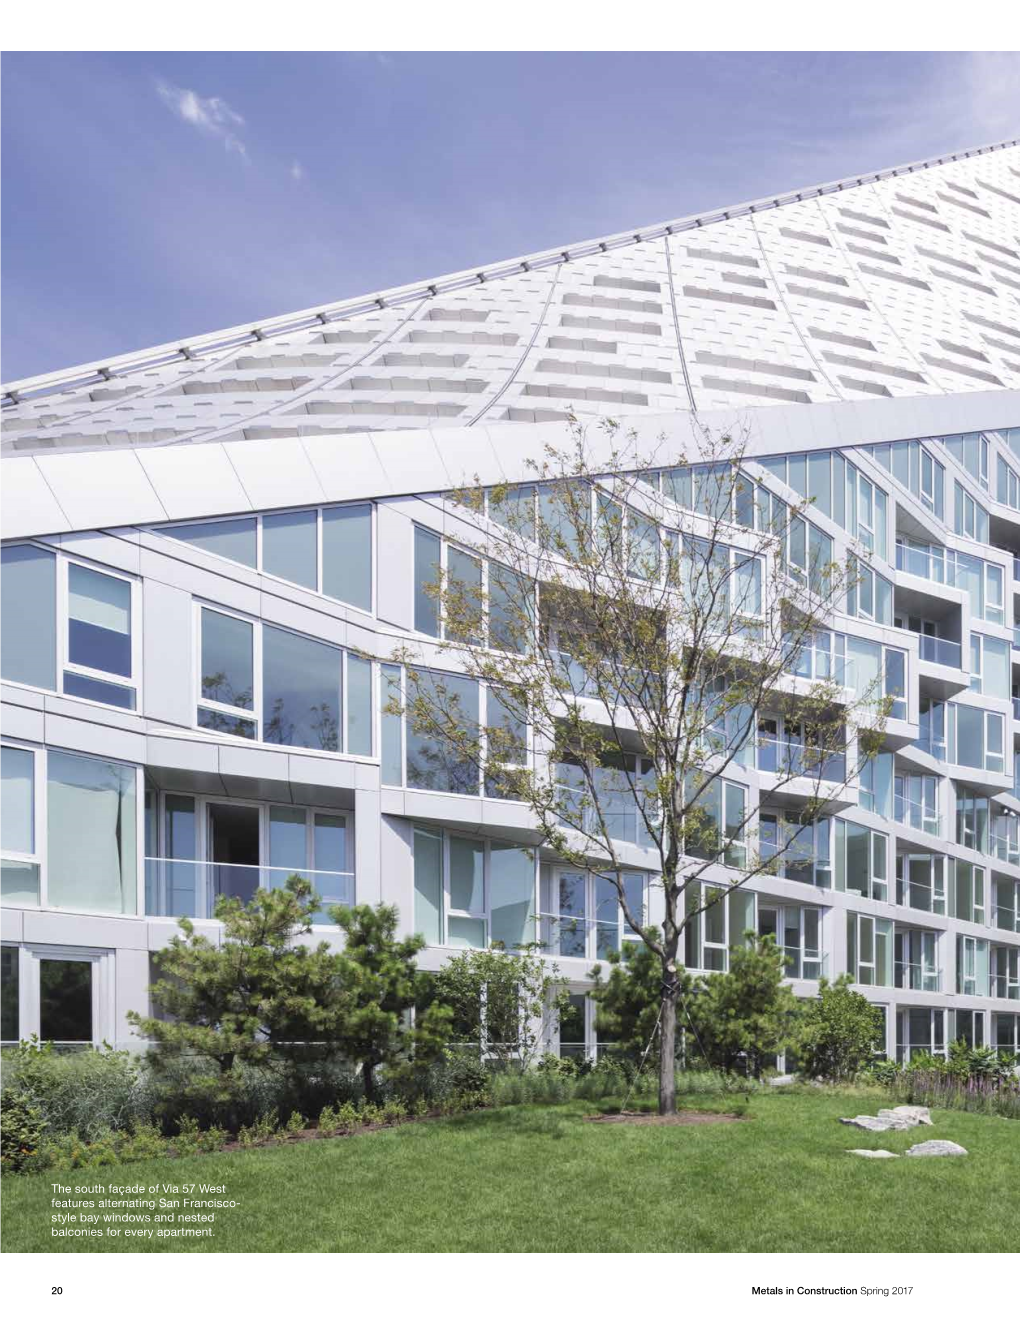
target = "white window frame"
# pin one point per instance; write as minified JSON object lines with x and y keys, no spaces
{"x":41,"y":805}
{"x":132,"y":682}
{"x":1005,"y":983}
{"x":203,"y":842}
{"x":589,"y":923}
{"x":258,"y":567}
{"x":36,"y":857}
{"x":936,"y":886}
{"x":103,"y":962}
{"x":904,"y":1048}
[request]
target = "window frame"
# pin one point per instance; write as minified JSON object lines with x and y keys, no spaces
{"x":103,"y":962}
{"x":37,"y":857}
{"x":259,"y":568}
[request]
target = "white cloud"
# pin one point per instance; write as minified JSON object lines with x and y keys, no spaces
{"x":210,"y":115}
{"x":297,"y":170}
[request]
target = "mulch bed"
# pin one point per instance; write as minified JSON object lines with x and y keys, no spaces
{"x":674,"y":1119}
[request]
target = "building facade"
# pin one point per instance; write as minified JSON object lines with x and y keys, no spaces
{"x":211,"y":549}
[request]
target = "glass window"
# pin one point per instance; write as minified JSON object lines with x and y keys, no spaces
{"x":428,"y":885}
{"x":467,"y":874}
{"x":514,"y":508}
{"x":347,"y":554}
{"x":391,"y":726}
{"x":227,"y":666}
{"x":511,"y":895}
{"x":464,"y":603}
{"x":300,"y":690}
{"x":65,"y":1001}
{"x":435,"y":763}
{"x":233,"y":538}
{"x":289,"y":546}
{"x":10,"y":1031}
{"x":99,"y":621}
{"x":19,"y":878}
{"x":91,"y":834}
{"x":359,"y":705}
{"x":427,"y":552}
{"x":28,"y":629}
{"x":332,"y":880}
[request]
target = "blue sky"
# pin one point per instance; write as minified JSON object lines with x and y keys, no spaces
{"x":151,"y":196}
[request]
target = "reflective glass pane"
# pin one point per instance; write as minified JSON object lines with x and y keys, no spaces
{"x":227,"y":669}
{"x":28,"y":629}
{"x":9,"y":1002}
{"x":426,"y":577}
{"x":289,"y":546}
{"x":433,"y":762}
{"x":91,"y":834}
{"x":428,"y":886}
{"x":347,"y":555}
{"x":18,"y":803}
{"x":100,"y":691}
{"x":359,"y":705}
{"x":300,"y":691}
{"x":98,"y":621}
{"x":467,"y":865}
{"x":511,"y":894}
{"x":233,"y":538}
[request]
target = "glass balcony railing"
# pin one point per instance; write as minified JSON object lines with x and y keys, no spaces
{"x":916,"y":814}
{"x":924,"y":563}
{"x":787,"y":758}
{"x":946,"y":652}
{"x":176,"y":888}
{"x":918,"y":978}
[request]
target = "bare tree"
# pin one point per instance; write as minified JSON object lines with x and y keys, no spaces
{"x":642,"y":631}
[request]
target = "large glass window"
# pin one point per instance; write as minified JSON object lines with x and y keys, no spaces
{"x":91,"y":834}
{"x":472,"y":892}
{"x":10,"y":995}
{"x":972,"y":966}
{"x":290,"y":542}
{"x":65,"y":1001}
{"x":347,"y":554}
{"x":921,"y":882}
{"x":19,"y":869}
{"x":290,"y":546}
{"x":98,"y":636}
{"x":28,"y":629}
{"x":301,"y":690}
{"x":715,"y":922}
{"x":235,"y":539}
{"x":434,"y":762}
{"x":916,"y":965}
{"x":869,"y":943}
{"x":583,"y":914}
{"x":427,"y":581}
{"x":862,"y":864}
{"x":228,"y":673}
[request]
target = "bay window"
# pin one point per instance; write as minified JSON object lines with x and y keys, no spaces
{"x":797,"y":931}
{"x":921,"y":882}
{"x":91,"y":859}
{"x":715,"y":922}
{"x":472,"y":892}
{"x":258,"y":681}
{"x":967,"y":891}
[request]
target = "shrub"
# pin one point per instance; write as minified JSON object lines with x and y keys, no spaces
{"x":145,"y":1141}
{"x":840,"y":1032}
{"x":21,"y":1130}
{"x":88,"y":1092}
{"x":262,"y":1129}
{"x":191,"y":1140}
{"x":295,"y":1122}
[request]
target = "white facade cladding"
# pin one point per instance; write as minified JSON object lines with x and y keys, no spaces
{"x":203,"y":544}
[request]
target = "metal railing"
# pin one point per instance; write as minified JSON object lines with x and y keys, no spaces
{"x":191,"y":888}
{"x":919,"y":978}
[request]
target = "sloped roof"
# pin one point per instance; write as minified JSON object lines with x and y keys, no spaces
{"x":903,"y":282}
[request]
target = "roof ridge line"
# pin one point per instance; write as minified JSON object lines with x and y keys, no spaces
{"x":249,"y":333}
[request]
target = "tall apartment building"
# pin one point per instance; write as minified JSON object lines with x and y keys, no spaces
{"x":203,"y":543}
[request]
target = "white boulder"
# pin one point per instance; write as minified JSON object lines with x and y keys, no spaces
{"x":935,"y":1149}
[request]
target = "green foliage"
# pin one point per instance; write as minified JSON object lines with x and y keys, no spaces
{"x":748,"y":1014}
{"x":295,"y":1122}
{"x":839,"y":1033}
{"x":190,"y":1139}
{"x":382,"y":984}
{"x":256,"y":997}
{"x":21,"y":1130}
{"x":145,"y":1141}
{"x":264,"y":1128}
{"x":87,"y":1092}
{"x":627,"y":1003}
{"x":522,"y":998}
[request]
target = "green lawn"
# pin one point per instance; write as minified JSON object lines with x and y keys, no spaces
{"x":542,"y":1179}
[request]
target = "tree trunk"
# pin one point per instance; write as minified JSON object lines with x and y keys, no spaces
{"x":667,"y":1039}
{"x":368,"y":1078}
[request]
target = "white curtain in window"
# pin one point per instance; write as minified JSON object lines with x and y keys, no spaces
{"x":91,"y":834}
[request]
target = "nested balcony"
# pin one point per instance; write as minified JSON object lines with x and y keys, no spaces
{"x":175,"y":888}
{"x":915,"y":966}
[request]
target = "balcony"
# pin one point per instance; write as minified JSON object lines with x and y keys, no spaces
{"x":788,"y":758}
{"x":917,"y":815}
{"x":918,"y":978}
{"x":175,"y":888}
{"x":924,"y":564}
{"x":944,"y":652}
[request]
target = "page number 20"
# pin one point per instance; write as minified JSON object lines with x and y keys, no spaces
{"x":56,"y":1291}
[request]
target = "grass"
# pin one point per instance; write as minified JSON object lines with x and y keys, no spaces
{"x":539,"y":1178}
